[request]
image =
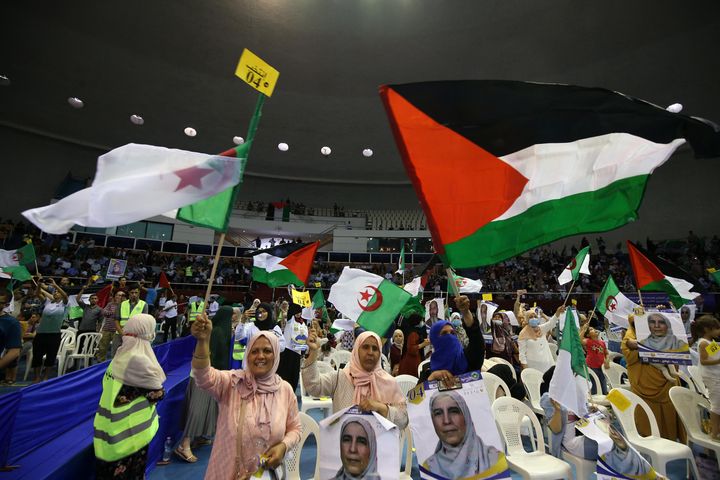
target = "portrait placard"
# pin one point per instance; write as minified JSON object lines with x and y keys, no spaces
{"x":661,"y":338}
{"x":459,"y":439}
{"x":356,"y":444}
{"x":116,"y":268}
{"x":435,"y":310}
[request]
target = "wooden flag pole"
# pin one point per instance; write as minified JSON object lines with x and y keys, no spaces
{"x":640,"y":298}
{"x":568,"y":294}
{"x":214,"y":270}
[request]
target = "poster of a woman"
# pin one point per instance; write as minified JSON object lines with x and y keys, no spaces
{"x":662,"y":338}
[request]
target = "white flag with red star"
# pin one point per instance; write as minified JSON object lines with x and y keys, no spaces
{"x":135,"y":182}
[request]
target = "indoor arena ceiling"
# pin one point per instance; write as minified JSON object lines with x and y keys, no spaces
{"x":173,"y":63}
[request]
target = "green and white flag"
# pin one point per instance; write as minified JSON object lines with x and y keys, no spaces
{"x":368,"y":299}
{"x":570,"y":370}
{"x":19,"y":273}
{"x":319,"y":303}
{"x":22,"y":256}
{"x":614,"y":305}
{"x":464,"y":285}
{"x":401,"y":261}
{"x":580,"y":264}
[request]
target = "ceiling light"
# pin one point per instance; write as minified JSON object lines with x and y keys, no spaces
{"x":283,"y":147}
{"x":675,"y":108}
{"x":326,"y":151}
{"x":238,"y":140}
{"x":190,"y":132}
{"x":367,"y":152}
{"x":4,"y":81}
{"x":75,"y":102}
{"x":137,"y":119}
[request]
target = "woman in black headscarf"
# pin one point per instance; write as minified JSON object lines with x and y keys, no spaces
{"x":201,"y":410}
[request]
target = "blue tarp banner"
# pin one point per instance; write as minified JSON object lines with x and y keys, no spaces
{"x":65,"y":406}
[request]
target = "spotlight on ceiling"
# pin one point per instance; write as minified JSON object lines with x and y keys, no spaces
{"x":675,"y":108}
{"x":367,"y":152}
{"x":238,"y":140}
{"x":283,"y":147}
{"x":326,"y":151}
{"x":137,"y":119}
{"x":4,"y":81}
{"x":75,"y":102}
{"x":190,"y":132}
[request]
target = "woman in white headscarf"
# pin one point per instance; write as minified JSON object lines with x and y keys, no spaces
{"x":358,"y":451}
{"x":460,"y":452}
{"x":661,"y":336}
{"x":133,"y":381}
{"x":624,"y":459}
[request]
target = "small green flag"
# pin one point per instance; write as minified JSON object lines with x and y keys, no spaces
{"x":19,"y":273}
{"x":26,"y":254}
{"x":319,"y":302}
{"x":571,"y":343}
{"x":579,"y":264}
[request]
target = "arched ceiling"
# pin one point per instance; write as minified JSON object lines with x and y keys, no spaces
{"x":173,"y":63}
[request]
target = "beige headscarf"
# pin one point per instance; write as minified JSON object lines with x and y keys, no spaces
{"x":135,"y":363}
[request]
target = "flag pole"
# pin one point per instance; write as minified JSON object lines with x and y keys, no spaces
{"x":214,"y":269}
{"x":568,"y":294}
{"x":640,"y":298}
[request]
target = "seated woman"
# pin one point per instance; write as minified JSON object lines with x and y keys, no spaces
{"x":460,"y":452}
{"x":362,"y":382}
{"x":396,"y":350}
{"x":560,"y":422}
{"x":503,"y":345}
{"x":449,"y":359}
{"x":254,"y":404}
{"x":534,"y":349}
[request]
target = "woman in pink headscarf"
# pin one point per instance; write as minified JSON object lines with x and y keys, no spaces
{"x":362,"y":382}
{"x":258,"y":419}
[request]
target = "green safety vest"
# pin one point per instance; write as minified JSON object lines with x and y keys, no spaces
{"x":195,"y":310}
{"x":238,"y":351}
{"x":125,"y":312}
{"x":124,"y":430}
{"x":188,"y":271}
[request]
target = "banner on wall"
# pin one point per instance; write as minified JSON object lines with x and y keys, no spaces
{"x":661,"y":338}
{"x":617,"y":459}
{"x":358,"y":444}
{"x":450,"y":428}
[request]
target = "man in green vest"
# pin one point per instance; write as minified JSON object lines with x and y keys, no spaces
{"x":132,"y":306}
{"x":194,"y":309}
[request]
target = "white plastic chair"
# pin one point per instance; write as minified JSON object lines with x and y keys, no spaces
{"x":406,"y":383}
{"x":89,"y":343}
{"x":492,"y":383}
{"x":598,"y":398}
{"x":309,"y":403}
{"x":696,"y":377}
{"x":340,"y":358}
{"x":509,"y":414}
{"x":690,"y":382}
{"x":614,"y":375}
{"x":688,"y":404}
{"x":532,"y":379}
{"x":308,"y":426}
{"x":385,"y":363}
{"x":498,"y":360}
{"x":67,"y":345}
{"x":407,"y":443}
{"x":583,"y":468}
{"x":660,"y":450}
{"x":420,"y":367}
{"x":613,"y":355}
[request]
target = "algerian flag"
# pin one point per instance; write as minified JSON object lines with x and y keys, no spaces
{"x":135,"y":182}
{"x":369,"y":299}
{"x":570,"y":370}
{"x":21,"y":256}
{"x":648,"y":277}
{"x":580,"y":264}
{"x":414,"y":287}
{"x":465,"y":285}
{"x":319,"y":303}
{"x":614,"y":305}
{"x":19,"y":273}
{"x":401,"y":260}
{"x":287,"y":264}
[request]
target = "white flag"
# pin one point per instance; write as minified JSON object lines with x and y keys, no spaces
{"x":135,"y":182}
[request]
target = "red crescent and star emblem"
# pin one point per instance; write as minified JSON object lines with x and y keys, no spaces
{"x":572,"y":265}
{"x":191,"y":176}
{"x":611,"y":303}
{"x":366,"y":295}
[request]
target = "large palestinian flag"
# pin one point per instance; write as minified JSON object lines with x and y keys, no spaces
{"x":285,"y":264}
{"x":671,"y":279}
{"x":529,"y":163}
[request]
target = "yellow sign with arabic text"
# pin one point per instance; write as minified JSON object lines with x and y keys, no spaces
{"x":255,"y":72}
{"x":712,"y":348}
{"x":301,"y":298}
{"x":487,"y":297}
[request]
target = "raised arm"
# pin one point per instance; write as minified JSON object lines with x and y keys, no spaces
{"x":317,"y":384}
